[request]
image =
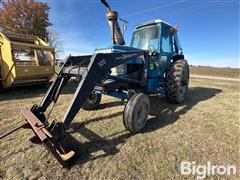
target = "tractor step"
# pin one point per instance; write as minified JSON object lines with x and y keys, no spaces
{"x":47,"y":138}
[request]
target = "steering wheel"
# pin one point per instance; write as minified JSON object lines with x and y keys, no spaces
{"x":151,"y":48}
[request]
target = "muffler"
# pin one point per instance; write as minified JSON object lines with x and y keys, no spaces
{"x":112,"y":16}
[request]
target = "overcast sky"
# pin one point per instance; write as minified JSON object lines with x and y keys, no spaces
{"x":209,"y":29}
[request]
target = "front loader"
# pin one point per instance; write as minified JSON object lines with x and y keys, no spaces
{"x":152,"y":65}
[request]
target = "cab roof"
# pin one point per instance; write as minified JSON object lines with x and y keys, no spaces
{"x":153,"y":22}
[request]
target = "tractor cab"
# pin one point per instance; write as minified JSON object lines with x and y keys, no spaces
{"x":160,"y":39}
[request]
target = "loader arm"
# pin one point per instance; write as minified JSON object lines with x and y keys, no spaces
{"x":98,"y":69}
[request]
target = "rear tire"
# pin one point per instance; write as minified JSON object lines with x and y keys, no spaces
{"x":136,"y":112}
{"x":176,"y":81}
{"x":92,"y":101}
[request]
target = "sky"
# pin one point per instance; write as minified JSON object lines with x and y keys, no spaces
{"x":208,"y":29}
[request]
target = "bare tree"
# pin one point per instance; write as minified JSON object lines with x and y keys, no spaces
{"x":54,"y":41}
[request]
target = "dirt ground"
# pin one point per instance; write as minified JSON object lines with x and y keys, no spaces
{"x":215,"y":71}
{"x":204,"y":128}
{"x":215,"y":78}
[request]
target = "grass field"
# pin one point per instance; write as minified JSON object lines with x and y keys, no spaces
{"x":204,"y":128}
{"x":214,"y":71}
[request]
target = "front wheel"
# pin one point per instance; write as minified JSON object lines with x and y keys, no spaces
{"x":92,"y":101}
{"x":136,"y":112}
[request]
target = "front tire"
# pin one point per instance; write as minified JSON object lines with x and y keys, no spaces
{"x":176,"y":81}
{"x":92,"y":101}
{"x":136,"y":112}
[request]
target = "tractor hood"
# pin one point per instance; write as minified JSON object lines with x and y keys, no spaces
{"x":115,"y":48}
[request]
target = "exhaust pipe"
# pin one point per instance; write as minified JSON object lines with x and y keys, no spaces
{"x":112,"y":16}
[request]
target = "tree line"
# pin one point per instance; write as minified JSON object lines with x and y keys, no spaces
{"x":29,"y":17}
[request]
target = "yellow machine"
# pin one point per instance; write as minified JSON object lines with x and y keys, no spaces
{"x":24,"y":60}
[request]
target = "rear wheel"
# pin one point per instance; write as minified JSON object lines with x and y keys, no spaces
{"x":93,"y":101}
{"x":136,"y":112}
{"x":176,"y":81}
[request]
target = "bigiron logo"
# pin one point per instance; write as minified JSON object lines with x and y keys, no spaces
{"x":203,"y":171}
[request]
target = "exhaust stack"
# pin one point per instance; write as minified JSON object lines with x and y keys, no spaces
{"x":112,"y":16}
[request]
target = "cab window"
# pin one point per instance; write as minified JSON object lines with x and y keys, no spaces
{"x":174,"y":44}
{"x":166,"y":40}
{"x":146,"y":38}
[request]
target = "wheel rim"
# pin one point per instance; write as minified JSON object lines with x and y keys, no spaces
{"x":92,"y":98}
{"x":141,"y":117}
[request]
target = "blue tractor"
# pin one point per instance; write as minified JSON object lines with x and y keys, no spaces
{"x":153,"y":64}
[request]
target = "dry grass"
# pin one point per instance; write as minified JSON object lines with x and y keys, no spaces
{"x":214,"y":71}
{"x":204,"y":128}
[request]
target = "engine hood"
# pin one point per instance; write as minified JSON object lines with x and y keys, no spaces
{"x":115,"y":48}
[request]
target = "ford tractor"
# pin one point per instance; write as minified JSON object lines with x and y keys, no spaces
{"x":153,"y":64}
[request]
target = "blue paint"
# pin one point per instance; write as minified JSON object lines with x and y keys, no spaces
{"x":155,"y":38}
{"x":117,"y":48}
{"x":119,"y":95}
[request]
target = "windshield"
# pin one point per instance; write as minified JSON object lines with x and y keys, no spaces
{"x":146,"y":38}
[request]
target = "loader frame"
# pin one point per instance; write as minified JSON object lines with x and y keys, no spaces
{"x":91,"y":78}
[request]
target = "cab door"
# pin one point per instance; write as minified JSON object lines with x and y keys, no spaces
{"x":166,"y":48}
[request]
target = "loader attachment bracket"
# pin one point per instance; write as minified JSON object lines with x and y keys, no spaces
{"x":47,"y":138}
